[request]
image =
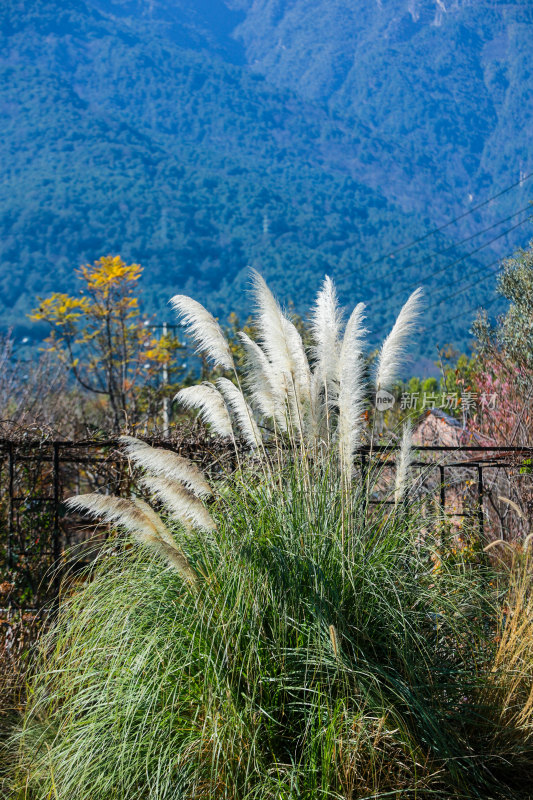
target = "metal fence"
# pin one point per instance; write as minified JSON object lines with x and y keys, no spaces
{"x":493,"y":485}
{"x":39,"y":541}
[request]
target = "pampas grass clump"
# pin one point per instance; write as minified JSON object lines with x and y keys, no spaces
{"x":271,"y":636}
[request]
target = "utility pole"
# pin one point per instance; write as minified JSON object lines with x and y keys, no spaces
{"x":166,"y":403}
{"x":164,"y":328}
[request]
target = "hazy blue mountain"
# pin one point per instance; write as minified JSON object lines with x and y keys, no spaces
{"x":448,"y":82}
{"x":116,"y":141}
{"x":438,"y":90}
{"x":149,"y":129}
{"x":205,"y":25}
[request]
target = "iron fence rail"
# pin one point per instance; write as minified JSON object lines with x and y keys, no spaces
{"x":37,"y":476}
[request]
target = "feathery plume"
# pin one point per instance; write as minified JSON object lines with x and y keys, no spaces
{"x":284,"y":349}
{"x":498,"y":543}
{"x":326,"y":323}
{"x":204,"y":329}
{"x":351,"y":401}
{"x":300,"y":364}
{"x":159,"y":461}
{"x":403,"y":463}
{"x":207,"y":400}
{"x":243,"y":413}
{"x":272,"y":330}
{"x":117,"y":509}
{"x":166,"y":545}
{"x":261,"y":382}
{"x":300,"y":397}
{"x":156,"y":521}
{"x":141,"y":521}
{"x":334,"y":640}
{"x":392,"y":354}
{"x":302,"y":406}
{"x":513,"y":505}
{"x":183,"y":505}
{"x":179,"y":561}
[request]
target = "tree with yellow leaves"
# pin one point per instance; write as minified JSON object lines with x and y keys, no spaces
{"x":103,"y":337}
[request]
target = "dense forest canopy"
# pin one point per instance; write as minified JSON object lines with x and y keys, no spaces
{"x":200,"y":139}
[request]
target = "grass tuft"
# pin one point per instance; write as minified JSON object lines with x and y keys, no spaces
{"x":305,"y":663}
{"x":292,"y":641}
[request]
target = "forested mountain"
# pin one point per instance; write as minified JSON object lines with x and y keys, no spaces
{"x":171,"y":132}
{"x":448,"y":82}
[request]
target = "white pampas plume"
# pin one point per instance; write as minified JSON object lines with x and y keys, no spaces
{"x":261,"y":382}
{"x":300,"y":364}
{"x":271,"y":326}
{"x":155,"y":519}
{"x":141,"y":521}
{"x":284,"y":349}
{"x":166,"y":545}
{"x":179,"y":561}
{"x":159,"y":461}
{"x":302,"y":408}
{"x":326,"y":322}
{"x":183,"y":505}
{"x":403,"y":463}
{"x":204,"y":329}
{"x":207,"y":400}
{"x":351,"y":401}
{"x":117,"y":509}
{"x":392,"y":354}
{"x":243,"y":413}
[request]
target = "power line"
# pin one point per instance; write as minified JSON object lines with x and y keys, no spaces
{"x":470,"y":285}
{"x":457,"y":261}
{"x":462,"y":241}
{"x":447,"y":224}
{"x":456,"y":294}
{"x":462,"y":314}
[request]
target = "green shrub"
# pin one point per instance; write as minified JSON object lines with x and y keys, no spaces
{"x":285,"y":639}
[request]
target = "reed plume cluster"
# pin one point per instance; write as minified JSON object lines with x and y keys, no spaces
{"x":314,"y":402}
{"x":271,"y":634}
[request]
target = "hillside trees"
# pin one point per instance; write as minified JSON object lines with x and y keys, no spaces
{"x":104,"y":339}
{"x":506,"y":355}
{"x":195,"y":169}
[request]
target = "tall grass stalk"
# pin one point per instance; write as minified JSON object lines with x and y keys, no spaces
{"x":288,"y":641}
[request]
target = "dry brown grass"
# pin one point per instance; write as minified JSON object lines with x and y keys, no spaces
{"x":18,"y":634}
{"x":510,"y":692}
{"x":371,"y":760}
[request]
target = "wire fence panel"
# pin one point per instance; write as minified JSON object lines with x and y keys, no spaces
{"x":40,"y":542}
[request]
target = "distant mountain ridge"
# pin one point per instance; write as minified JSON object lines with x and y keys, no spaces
{"x":147,"y":128}
{"x":205,"y":25}
{"x":439,"y":89}
{"x":117,"y":141}
{"x":448,"y":82}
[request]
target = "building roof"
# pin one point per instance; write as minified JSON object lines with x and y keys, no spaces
{"x":440,"y":414}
